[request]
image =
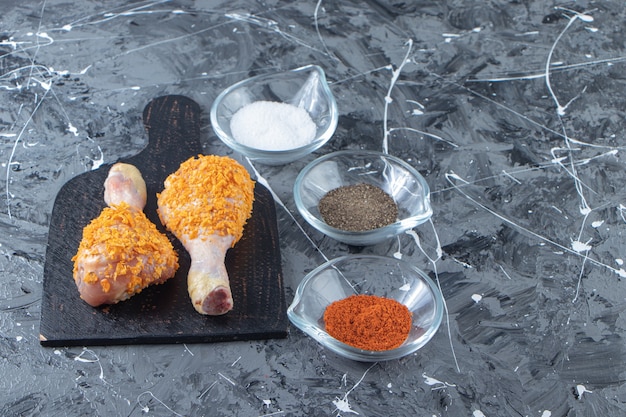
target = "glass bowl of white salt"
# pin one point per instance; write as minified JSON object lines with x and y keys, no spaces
{"x":276,"y":118}
{"x":362,"y":197}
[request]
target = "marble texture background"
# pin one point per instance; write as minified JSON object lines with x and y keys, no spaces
{"x":512,"y":110}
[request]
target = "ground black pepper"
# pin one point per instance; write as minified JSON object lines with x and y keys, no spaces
{"x":358,"y":208}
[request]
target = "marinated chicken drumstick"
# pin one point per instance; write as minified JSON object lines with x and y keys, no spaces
{"x":205,"y":204}
{"x":121,"y":251}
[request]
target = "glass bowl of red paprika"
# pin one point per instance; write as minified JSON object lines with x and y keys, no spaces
{"x":389,"y":281}
{"x":278,"y":117}
{"x":360,"y":216}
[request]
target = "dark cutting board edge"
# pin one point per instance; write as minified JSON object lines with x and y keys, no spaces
{"x":162,"y":313}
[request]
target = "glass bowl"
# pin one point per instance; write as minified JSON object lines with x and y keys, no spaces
{"x":304,"y":87}
{"x":373,"y":275}
{"x":397,"y":178}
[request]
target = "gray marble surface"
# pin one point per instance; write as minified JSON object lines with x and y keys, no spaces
{"x":512,"y":110}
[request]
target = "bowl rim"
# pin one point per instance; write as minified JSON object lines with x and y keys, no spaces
{"x":321,"y":336}
{"x":402,"y":224}
{"x":256,"y":152}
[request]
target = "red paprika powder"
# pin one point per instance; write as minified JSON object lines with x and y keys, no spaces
{"x":368,"y":322}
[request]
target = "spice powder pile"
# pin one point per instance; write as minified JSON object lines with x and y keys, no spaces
{"x":368,"y":322}
{"x":358,"y":208}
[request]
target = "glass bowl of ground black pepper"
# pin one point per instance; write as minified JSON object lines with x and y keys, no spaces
{"x":276,"y":118}
{"x":368,"y":308}
{"x":362,"y":197}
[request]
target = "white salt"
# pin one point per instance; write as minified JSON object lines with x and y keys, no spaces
{"x":271,"y":125}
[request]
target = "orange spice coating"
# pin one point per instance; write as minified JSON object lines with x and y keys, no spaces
{"x":207,"y":195}
{"x":368,"y":322}
{"x":132,"y":246}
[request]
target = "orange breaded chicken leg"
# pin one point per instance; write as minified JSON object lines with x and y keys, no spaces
{"x":122,"y":252}
{"x":206,"y":204}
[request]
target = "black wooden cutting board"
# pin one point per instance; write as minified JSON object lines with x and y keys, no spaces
{"x":162,"y":313}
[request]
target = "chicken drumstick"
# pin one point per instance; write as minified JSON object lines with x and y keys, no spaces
{"x":205,"y":204}
{"x":121,"y":251}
